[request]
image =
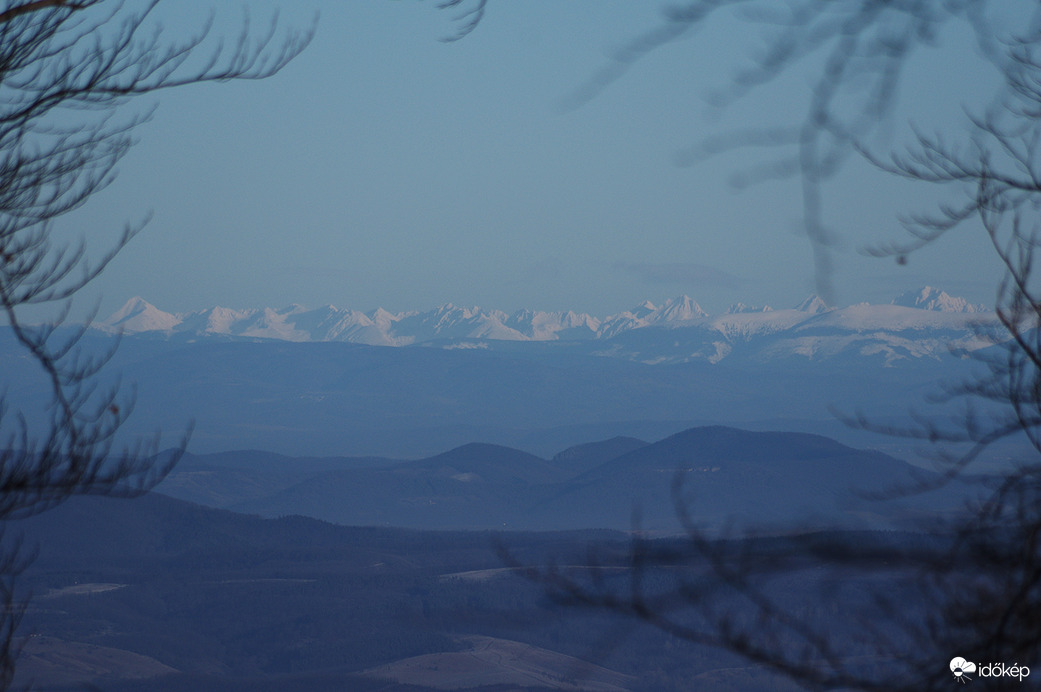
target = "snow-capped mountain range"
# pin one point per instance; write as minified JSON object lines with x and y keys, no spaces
{"x":919,"y":323}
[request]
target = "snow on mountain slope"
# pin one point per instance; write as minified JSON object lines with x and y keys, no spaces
{"x":746,"y":325}
{"x":929,"y":298}
{"x":138,"y":315}
{"x":678,"y":310}
{"x":813,"y":304}
{"x":453,"y":322}
{"x":921,"y":324}
{"x":866,"y":317}
{"x":546,"y":326}
{"x":742,"y":307}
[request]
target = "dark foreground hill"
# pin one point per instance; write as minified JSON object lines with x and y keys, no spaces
{"x":725,"y":477}
{"x":156,"y":594}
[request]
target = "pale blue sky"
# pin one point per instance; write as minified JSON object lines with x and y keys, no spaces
{"x":387,"y":168}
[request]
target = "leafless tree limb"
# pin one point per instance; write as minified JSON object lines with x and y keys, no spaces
{"x":70,"y":73}
{"x":970,"y":585}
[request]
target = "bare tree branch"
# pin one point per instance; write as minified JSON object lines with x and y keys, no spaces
{"x":963,"y":585}
{"x":69,"y":72}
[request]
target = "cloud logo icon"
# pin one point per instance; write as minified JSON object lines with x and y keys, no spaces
{"x":961,"y":668}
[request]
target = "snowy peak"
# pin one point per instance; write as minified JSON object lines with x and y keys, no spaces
{"x":813,"y":305}
{"x":643,"y":310}
{"x":921,"y":324}
{"x":679,"y":310}
{"x":675,"y":311}
{"x":383,"y":319}
{"x":452,"y":322}
{"x":929,"y":298}
{"x":548,"y":326}
{"x":138,"y":315}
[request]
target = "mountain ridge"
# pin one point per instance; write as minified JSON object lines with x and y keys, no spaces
{"x":726,"y":474}
{"x":928,"y":322}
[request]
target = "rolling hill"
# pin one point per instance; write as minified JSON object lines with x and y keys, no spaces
{"x":726,"y":476}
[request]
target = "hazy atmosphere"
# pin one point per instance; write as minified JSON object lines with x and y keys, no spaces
{"x":498,"y":346}
{"x":387,"y":168}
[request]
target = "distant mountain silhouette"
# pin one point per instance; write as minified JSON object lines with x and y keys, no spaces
{"x":584,"y":457}
{"x":735,"y":477}
{"x":488,"y":464}
{"x":678,"y":330}
{"x":727,"y":477}
{"x":781,"y":369}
